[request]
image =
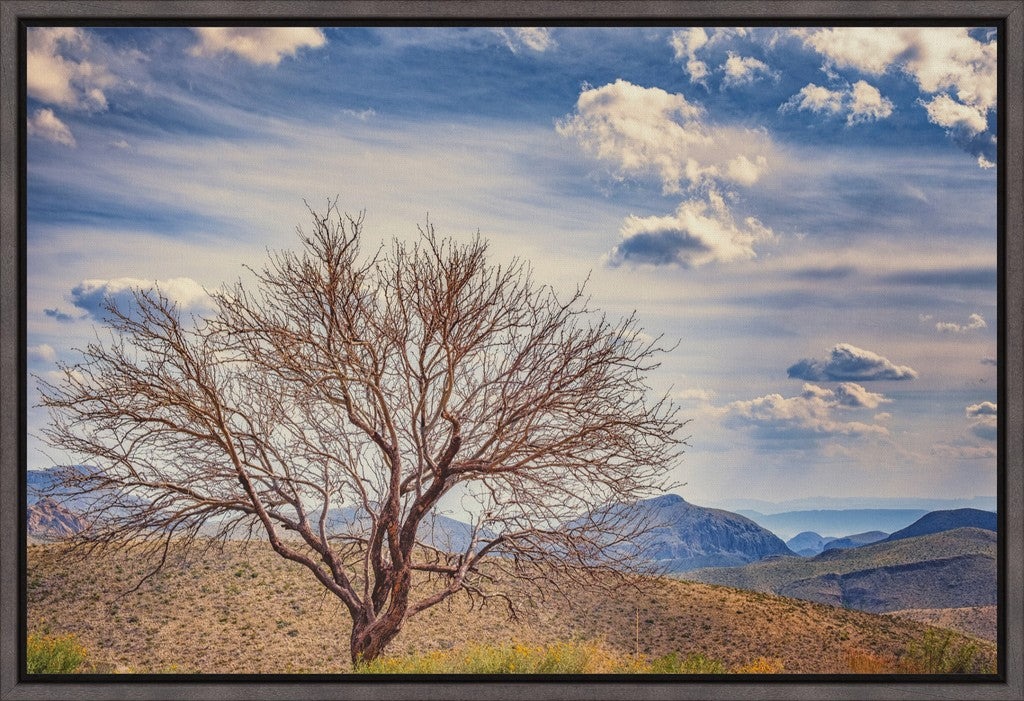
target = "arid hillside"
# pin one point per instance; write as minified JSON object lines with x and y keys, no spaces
{"x":244,"y":609}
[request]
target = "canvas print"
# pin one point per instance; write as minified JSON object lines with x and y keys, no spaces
{"x":638,"y":350}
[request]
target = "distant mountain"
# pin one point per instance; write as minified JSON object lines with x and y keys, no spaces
{"x":856,"y":540}
{"x":938,"y":521}
{"x":47,"y":483}
{"x":687,"y":536}
{"x":954,"y":582}
{"x":49,"y":520}
{"x":832,"y":522}
{"x":808,"y":543}
{"x":846,"y":503}
{"x":948,"y":569}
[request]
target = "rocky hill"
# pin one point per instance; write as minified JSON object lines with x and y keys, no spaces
{"x":938,"y":521}
{"x":808,"y":543}
{"x":49,"y":520}
{"x":688,"y":537}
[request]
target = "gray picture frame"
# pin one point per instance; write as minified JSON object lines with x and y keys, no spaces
{"x":1012,"y":342}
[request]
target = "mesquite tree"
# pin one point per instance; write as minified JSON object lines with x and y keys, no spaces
{"x":329,"y":405}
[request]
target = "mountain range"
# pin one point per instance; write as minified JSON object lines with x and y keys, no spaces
{"x":835,"y":522}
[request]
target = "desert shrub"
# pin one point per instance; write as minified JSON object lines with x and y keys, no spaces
{"x":863,"y":662}
{"x":54,"y":654}
{"x":762,"y":665}
{"x":511,"y":658}
{"x":944,"y":652}
{"x":694,"y":663}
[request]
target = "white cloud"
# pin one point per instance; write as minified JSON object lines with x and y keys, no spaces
{"x":861,"y":102}
{"x":537,"y":39}
{"x":982,"y":409}
{"x":974,"y":322}
{"x":947,"y":62}
{"x":867,"y":104}
{"x":91,"y":295}
{"x":744,"y":70}
{"x":686,"y":43}
{"x":361,"y":115}
{"x":642,"y":131}
{"x":811,"y":415}
{"x":698,"y":233}
{"x":260,"y":45}
{"x":46,"y":125}
{"x":947,"y":112}
{"x":55,"y":77}
{"x":847,"y":362}
{"x":816,"y":98}
{"x":42,"y":353}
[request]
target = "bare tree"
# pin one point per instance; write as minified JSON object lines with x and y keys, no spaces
{"x":343,"y":384}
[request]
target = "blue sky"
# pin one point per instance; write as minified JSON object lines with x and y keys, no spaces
{"x":810,"y":212}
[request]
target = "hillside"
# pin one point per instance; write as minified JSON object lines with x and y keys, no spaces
{"x":688,"y":536}
{"x":979,"y":621}
{"x":856,"y":540}
{"x":938,"y":521}
{"x":244,"y":609}
{"x":771,"y":575}
{"x":953,"y":582}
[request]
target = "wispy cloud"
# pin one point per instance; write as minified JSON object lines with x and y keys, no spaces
{"x":538,"y":39}
{"x":974,"y":322}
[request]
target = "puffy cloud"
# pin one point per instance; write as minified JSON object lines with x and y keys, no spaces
{"x":947,"y":112}
{"x":985,"y":428}
{"x":91,"y":295}
{"x":537,"y":39}
{"x":698,"y":233}
{"x":259,"y":45}
{"x":815,"y":98}
{"x":944,"y":61}
{"x":974,"y":321}
{"x":686,"y":43}
{"x":58,"y":74}
{"x":867,"y":104}
{"x":808,"y":415}
{"x":42,"y":353}
{"x":990,"y":361}
{"x":640,"y":131}
{"x":982,"y":409}
{"x":861,"y":102}
{"x":847,"y":362}
{"x":46,"y":125}
{"x":744,"y":70}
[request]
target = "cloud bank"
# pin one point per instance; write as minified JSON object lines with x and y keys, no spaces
{"x":810,"y":415}
{"x":847,"y":362}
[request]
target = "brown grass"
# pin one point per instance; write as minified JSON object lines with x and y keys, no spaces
{"x":245,"y":610}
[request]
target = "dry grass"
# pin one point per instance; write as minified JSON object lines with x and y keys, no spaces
{"x":979,"y":621}
{"x":245,"y":610}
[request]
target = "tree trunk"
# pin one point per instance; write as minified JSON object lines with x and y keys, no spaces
{"x":369,"y":641}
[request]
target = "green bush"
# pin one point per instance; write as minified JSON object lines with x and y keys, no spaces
{"x":54,"y":654}
{"x":943,"y":652}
